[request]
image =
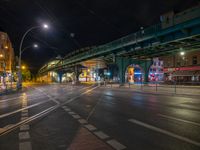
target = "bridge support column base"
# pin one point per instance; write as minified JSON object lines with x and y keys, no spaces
{"x":123,"y":63}
{"x":77,"y":72}
{"x":60,"y":75}
{"x":146,"y":64}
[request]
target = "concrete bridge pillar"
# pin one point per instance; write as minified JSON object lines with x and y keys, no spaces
{"x":122,"y":64}
{"x":77,"y":73}
{"x":60,"y":75}
{"x":146,"y":64}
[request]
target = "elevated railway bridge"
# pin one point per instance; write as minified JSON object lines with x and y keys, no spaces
{"x":174,"y":34}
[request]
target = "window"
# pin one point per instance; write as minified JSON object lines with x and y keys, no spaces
{"x":178,"y":64}
{"x":1,"y":65}
{"x":194,"y":60}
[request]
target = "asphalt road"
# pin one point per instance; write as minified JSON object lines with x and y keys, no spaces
{"x":65,"y":117}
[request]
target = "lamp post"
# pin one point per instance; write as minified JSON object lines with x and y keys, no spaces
{"x":2,"y":57}
{"x":33,"y":46}
{"x":19,"y":83}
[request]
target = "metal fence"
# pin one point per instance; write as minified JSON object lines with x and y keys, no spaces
{"x":159,"y":88}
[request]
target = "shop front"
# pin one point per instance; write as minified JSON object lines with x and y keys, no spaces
{"x":182,"y":74}
{"x":134,"y":74}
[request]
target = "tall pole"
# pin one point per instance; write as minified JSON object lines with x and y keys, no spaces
{"x":4,"y":74}
{"x":19,"y":84}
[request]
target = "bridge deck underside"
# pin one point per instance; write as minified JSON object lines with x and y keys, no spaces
{"x":189,"y":44}
{"x":185,"y":36}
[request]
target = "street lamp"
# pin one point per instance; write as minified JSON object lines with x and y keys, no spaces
{"x":23,"y":67}
{"x":45,"y":26}
{"x":182,"y":53}
{"x":35,"y":46}
{"x":19,"y":84}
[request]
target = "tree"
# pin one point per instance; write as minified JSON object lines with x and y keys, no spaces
{"x":26,"y":75}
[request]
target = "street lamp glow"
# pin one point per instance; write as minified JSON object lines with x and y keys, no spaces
{"x":23,"y":67}
{"x":35,"y":45}
{"x":46,"y":26}
{"x":182,"y":53}
{"x":1,"y":55}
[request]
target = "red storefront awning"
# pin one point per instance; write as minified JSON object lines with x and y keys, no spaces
{"x":192,"y":68}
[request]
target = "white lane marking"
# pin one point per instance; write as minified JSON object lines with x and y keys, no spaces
{"x":49,"y":96}
{"x":24,"y":114}
{"x":178,"y":119}
{"x":72,"y":113}
{"x":94,"y":109}
{"x":24,"y":135}
{"x":23,"y":109}
{"x":24,"y":127}
{"x":30,"y":119}
{"x":2,"y":130}
{"x":80,"y":88}
{"x":83,"y":88}
{"x":164,"y":132}
{"x":116,"y":145}
{"x":82,"y":121}
{"x":9,"y":99}
{"x":67,"y":109}
{"x":24,"y":118}
{"x":64,"y":107}
{"x":76,"y":116}
{"x":25,"y":146}
{"x":90,"y":127}
{"x":74,"y":98}
{"x":8,"y":126}
{"x":101,"y":135}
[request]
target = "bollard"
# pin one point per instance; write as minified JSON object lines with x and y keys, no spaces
{"x":156,"y":87}
{"x":6,"y":89}
{"x":175,"y":87}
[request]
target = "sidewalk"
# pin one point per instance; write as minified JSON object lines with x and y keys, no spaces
{"x":9,"y":88}
{"x":85,"y":140}
{"x":161,"y":89}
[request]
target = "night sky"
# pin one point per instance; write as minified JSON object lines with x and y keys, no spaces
{"x":77,"y":23}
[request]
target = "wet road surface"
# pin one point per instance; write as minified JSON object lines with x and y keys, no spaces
{"x":66,"y":117}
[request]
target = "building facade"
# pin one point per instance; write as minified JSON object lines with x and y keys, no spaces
{"x":6,"y":55}
{"x":156,"y":70}
{"x":182,"y":67}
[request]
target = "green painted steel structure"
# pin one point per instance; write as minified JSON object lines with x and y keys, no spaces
{"x":140,"y":47}
{"x":123,"y":63}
